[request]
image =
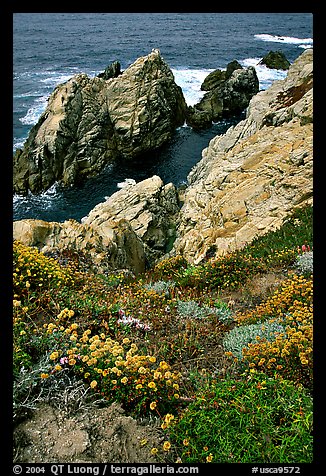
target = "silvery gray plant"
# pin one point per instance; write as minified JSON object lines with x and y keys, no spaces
{"x":191,"y":309}
{"x":304,"y":263}
{"x":239,"y":337}
{"x":160,"y":287}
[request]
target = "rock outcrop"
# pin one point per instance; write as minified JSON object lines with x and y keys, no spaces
{"x":91,"y":122}
{"x":111,"y":71}
{"x":275,"y":60}
{"x":134,"y":227}
{"x":229,"y":93}
{"x":248,"y":181}
{"x":150,"y":207}
{"x":115,"y":246}
{"x":252,"y":177}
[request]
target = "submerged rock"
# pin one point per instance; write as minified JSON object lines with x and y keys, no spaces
{"x":91,"y":122}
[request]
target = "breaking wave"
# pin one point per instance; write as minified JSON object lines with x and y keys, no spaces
{"x":301,"y":42}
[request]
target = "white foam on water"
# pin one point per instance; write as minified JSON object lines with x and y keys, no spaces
{"x":190,"y":81}
{"x":301,"y":42}
{"x":45,"y":199}
{"x":266,"y":76}
{"x":49,"y":79}
{"x":19,"y":142}
{"x":33,"y":114}
{"x":56,"y":78}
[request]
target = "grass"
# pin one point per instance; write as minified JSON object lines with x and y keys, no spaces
{"x":170,"y":343}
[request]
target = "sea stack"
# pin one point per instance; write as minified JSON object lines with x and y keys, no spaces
{"x":92,"y":122}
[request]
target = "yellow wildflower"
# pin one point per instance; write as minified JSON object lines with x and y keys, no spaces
{"x":166,"y":446}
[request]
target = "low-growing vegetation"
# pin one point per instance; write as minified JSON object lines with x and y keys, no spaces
{"x":228,"y":374}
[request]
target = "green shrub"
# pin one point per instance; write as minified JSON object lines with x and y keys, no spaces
{"x":115,"y":369}
{"x":257,"y":420}
{"x":192,"y":310}
{"x":279,"y":247}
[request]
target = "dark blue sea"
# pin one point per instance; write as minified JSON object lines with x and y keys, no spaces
{"x":49,"y":48}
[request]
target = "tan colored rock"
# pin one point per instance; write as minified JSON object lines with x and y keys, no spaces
{"x":252,"y":177}
{"x":149,"y":206}
{"x":114,"y":246}
{"x":130,"y":229}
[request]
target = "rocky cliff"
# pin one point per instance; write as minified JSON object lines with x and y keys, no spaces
{"x":130,"y":230}
{"x":114,"y":247}
{"x":247,"y":182}
{"x":150,"y":207}
{"x":90,"y":122}
{"x":256,"y":174}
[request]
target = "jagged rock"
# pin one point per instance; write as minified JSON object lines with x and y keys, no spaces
{"x":91,"y":122}
{"x":115,"y":246}
{"x":130,"y":230}
{"x":215,"y":78}
{"x":229,"y":93}
{"x":198,"y":119}
{"x":275,"y":60}
{"x":253,"y":176}
{"x":111,"y":71}
{"x":150,"y":207}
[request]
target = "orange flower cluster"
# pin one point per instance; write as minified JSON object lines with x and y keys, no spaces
{"x":115,"y":369}
{"x":289,"y":355}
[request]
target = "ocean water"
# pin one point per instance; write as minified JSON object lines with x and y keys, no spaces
{"x":49,"y":48}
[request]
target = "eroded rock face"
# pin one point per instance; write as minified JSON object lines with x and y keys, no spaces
{"x":256,"y":174}
{"x":132,"y":228}
{"x":90,"y":122}
{"x":115,"y":246}
{"x":151,"y":209}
